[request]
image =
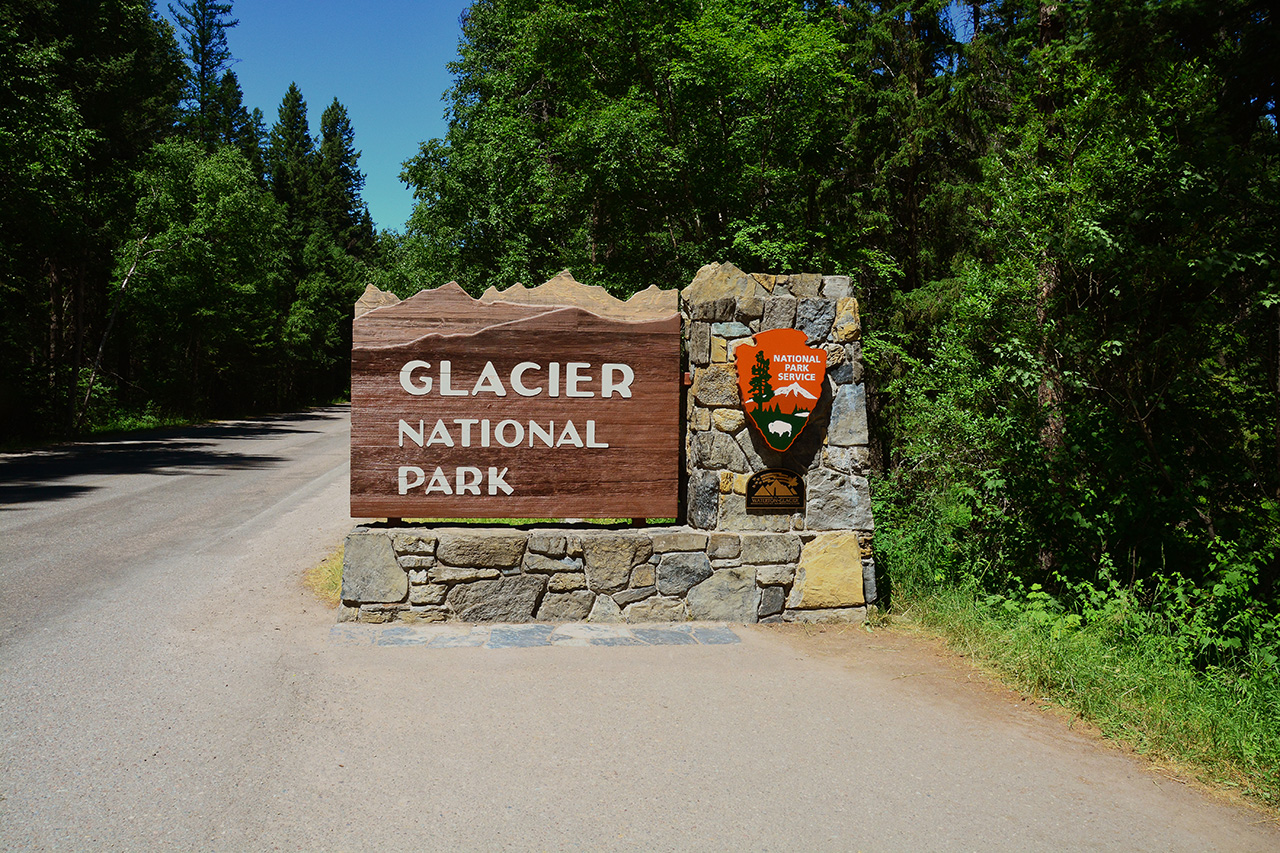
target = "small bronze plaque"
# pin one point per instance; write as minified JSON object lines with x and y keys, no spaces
{"x":775,"y":489}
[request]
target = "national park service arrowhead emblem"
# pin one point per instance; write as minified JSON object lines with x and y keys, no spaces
{"x":780,"y":379}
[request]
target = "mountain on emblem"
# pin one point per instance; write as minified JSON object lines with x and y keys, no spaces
{"x":780,"y":380}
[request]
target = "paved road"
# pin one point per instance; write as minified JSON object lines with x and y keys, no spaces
{"x":165,"y":683}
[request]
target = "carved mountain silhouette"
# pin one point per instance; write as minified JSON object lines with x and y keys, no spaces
{"x":794,"y":390}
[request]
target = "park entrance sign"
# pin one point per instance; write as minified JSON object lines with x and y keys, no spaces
{"x":556,"y":401}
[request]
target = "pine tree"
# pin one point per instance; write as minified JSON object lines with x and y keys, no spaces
{"x":291,"y":163}
{"x":237,"y":126}
{"x":761,"y":384}
{"x":339,"y":181}
{"x":204,"y":24}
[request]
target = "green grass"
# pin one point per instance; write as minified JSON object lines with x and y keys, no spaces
{"x":1124,"y":674}
{"x":325,"y":579}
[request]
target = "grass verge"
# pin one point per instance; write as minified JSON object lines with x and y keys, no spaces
{"x":325,"y":578}
{"x":1125,"y":675}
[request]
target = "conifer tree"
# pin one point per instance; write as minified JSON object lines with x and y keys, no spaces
{"x":339,"y":181}
{"x":291,"y":163}
{"x":204,"y":24}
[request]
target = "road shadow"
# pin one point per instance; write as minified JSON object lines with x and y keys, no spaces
{"x":39,"y":475}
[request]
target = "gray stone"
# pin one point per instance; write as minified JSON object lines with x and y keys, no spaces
{"x":605,"y":609}
{"x":839,"y":372}
{"x":746,"y":443}
{"x":427,"y":613}
{"x":718,"y":281}
{"x":854,"y":350}
{"x":849,"y":417}
{"x":502,"y":600}
{"x":566,"y":606}
{"x":377,"y":614}
{"x":540,"y":564}
{"x":768,"y":574}
{"x":547,"y":544}
{"x":836,"y":287}
{"x":805,"y":285}
{"x":493,"y":549}
{"x":699,"y":343}
{"x":566,"y":582}
{"x":678,"y":540}
{"x":750,"y":308}
{"x":729,"y":595}
{"x":609,"y":558}
{"x":412,"y":561}
{"x":869,"y":579}
{"x":428,"y":594}
{"x":631,"y":596}
{"x":714,"y":310}
{"x":441,"y":573}
{"x":770,"y":548}
{"x":734,"y":516}
{"x":772,"y":598}
{"x":704,"y":499}
{"x":418,"y":576}
{"x":814,"y":317}
{"x":730,"y":330}
{"x":779,"y":313}
{"x":724,"y":546}
{"x":370,"y":572}
{"x":850,"y":460}
{"x":718,"y":450}
{"x":838,"y":502}
{"x":715,"y":385}
{"x":837,"y":615}
{"x":414,"y":543}
{"x":656,"y":610}
{"x":678,"y":572}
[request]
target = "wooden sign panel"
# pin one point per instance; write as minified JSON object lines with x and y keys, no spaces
{"x":466,"y":408}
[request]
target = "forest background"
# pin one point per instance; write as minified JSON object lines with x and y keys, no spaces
{"x":1061,"y":219}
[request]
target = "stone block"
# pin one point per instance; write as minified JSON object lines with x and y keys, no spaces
{"x":701,"y":420}
{"x":565,"y":606}
{"x":724,"y":546}
{"x":829,"y":574}
{"x":547,"y":544}
{"x":566,"y":582}
{"x":718,"y":450}
{"x":728,"y":420}
{"x":733,"y":349}
{"x":729,"y":595}
{"x":426,"y":613}
{"x":678,"y":572}
{"x":836,"y":287}
{"x":780,"y":574}
{"x":766,"y":282}
{"x":770,"y":548}
{"x":414,"y":543}
{"x":370,"y":572}
{"x":805,"y":285}
{"x":631,"y":596}
{"x":704,"y":499}
{"x":814,"y":317}
{"x":428,"y":594}
{"x":507,"y":599}
{"x":699,"y":343}
{"x":720,"y":281}
{"x":418,"y":576}
{"x":605,"y":609}
{"x":772,"y":599}
{"x":719,"y":350}
{"x":377,"y":614}
{"x":868,"y":579}
{"x":494,"y":549}
{"x":847,"y":325}
{"x":779,"y":313}
{"x":645,"y":574}
{"x":441,"y":573}
{"x":678,"y":540}
{"x":839,"y":615}
{"x":715,"y":385}
{"x":413,"y":561}
{"x":540,"y":564}
{"x":734,"y":516}
{"x":837,"y":501}
{"x":854,"y":351}
{"x":609,"y":558}
{"x":750,"y":308}
{"x":730,"y":330}
{"x":656,"y":610}
{"x":850,"y":460}
{"x":726,"y":482}
{"x":715,"y":310}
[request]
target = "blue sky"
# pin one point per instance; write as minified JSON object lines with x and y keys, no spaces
{"x":385,"y":61}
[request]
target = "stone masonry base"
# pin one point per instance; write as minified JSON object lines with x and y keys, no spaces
{"x":604,"y":574}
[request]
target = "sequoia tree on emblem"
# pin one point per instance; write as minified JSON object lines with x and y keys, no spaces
{"x":780,"y":379}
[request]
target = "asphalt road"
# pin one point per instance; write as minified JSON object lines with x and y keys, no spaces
{"x":166,"y":683}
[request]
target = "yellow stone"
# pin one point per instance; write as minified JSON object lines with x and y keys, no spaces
{"x":728,"y":420}
{"x":765,"y":281}
{"x":726,"y":482}
{"x":848,"y":325}
{"x":865,"y":542}
{"x":719,"y":350}
{"x":740,"y":483}
{"x":829,"y":574}
{"x":701,"y":419}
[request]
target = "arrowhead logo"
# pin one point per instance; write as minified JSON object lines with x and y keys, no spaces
{"x":780,"y":380}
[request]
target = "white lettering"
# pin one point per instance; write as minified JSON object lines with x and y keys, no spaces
{"x":544,"y":435}
{"x":465,"y":423}
{"x":569,"y":435}
{"x":517,"y":375}
{"x":446,"y":372}
{"x":415,"y":437}
{"x":418,"y":473}
{"x":496,"y":482}
{"x":465,"y":485}
{"x":489,"y":381}
{"x":591,"y":436}
{"x":573,"y":378}
{"x":439,"y":483}
{"x":553,"y":379}
{"x":406,"y":378}
{"x":440,"y":435}
{"x":607,"y":384}
{"x":501,"y":431}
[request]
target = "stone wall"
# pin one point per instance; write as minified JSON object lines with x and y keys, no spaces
{"x":725,"y":563}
